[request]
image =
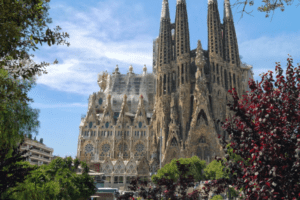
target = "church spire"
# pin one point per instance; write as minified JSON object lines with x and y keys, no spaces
{"x":213,"y":1}
{"x":215,"y":44}
{"x":227,"y":10}
{"x":231,"y":50}
{"x":165,"y":13}
{"x":182,"y":36}
{"x":181,"y":1}
{"x":165,"y":38}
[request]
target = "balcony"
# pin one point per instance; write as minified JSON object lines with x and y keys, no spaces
{"x":41,"y":152}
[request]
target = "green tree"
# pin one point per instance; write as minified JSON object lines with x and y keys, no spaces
{"x":58,"y":180}
{"x":13,"y":168}
{"x":23,"y":26}
{"x":217,"y":197}
{"x":17,"y":118}
{"x":214,"y":170}
{"x":171,"y":169}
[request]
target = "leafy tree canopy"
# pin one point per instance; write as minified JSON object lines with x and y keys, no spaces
{"x":58,"y":180}
{"x":265,"y":133}
{"x":217,"y":197}
{"x":13,"y":169}
{"x":17,"y":118}
{"x":24,"y":26}
{"x":171,"y":169}
{"x":214,"y":170}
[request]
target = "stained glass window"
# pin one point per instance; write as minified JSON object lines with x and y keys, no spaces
{"x":91,"y":124}
{"x":100,"y":101}
{"x":105,"y":147}
{"x":89,"y":148}
{"x":106,"y":124}
{"x":140,"y":124}
{"x":139,"y":147}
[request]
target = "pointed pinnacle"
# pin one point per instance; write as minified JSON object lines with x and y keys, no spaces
{"x":181,"y":1}
{"x":212,"y":1}
{"x":165,"y":13}
{"x":227,"y":10}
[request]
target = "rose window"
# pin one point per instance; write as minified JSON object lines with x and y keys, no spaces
{"x":89,"y":148}
{"x":139,"y":147}
{"x":105,"y":147}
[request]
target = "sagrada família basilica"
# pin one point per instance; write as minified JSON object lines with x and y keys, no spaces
{"x":137,"y":121}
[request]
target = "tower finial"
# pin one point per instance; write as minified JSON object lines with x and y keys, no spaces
{"x":165,"y":13}
{"x":212,"y":1}
{"x":227,"y":10}
{"x":181,"y":1}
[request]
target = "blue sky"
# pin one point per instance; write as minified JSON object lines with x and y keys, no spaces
{"x":104,"y":33}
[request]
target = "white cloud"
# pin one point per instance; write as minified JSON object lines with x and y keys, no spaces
{"x":101,"y":37}
{"x":263,"y":52}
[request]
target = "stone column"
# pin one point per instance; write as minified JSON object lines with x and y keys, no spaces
{"x":167,"y":83}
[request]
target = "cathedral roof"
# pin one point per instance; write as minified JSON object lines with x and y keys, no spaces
{"x":133,"y":85}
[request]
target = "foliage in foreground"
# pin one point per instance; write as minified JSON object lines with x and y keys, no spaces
{"x":24,"y":26}
{"x":196,"y":167}
{"x":165,"y":187}
{"x":266,"y":7}
{"x":13,"y":168}
{"x":58,"y":180}
{"x":17,"y":118}
{"x":265,"y":133}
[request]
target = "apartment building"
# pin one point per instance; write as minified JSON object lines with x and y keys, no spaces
{"x":40,"y":154}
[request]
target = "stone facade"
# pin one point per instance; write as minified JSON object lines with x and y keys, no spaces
{"x":176,"y":110}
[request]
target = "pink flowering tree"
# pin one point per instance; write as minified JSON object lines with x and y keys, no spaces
{"x":265,"y":133}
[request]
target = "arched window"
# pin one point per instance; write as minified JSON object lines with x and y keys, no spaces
{"x":91,"y":124}
{"x":100,"y":101}
{"x":202,"y":119}
{"x":206,"y":153}
{"x":202,"y":140}
{"x":106,"y":124}
{"x":140,"y":124}
{"x":199,"y":153}
{"x":174,"y":142}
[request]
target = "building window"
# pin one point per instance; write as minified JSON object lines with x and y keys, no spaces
{"x":120,"y":179}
